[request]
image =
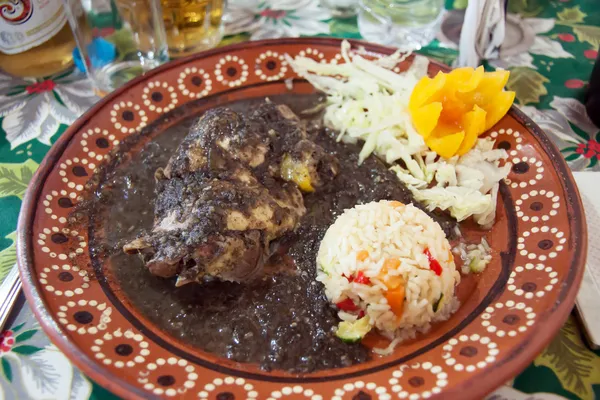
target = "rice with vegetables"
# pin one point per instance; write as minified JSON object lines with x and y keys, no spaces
{"x":389,"y":266}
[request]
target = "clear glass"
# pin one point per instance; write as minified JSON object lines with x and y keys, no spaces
{"x":117,"y":40}
{"x":341,"y":8}
{"x":192,"y":25}
{"x":406,"y":24}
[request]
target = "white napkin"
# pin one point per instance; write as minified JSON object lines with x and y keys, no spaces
{"x":482,"y":31}
{"x":588,"y":298}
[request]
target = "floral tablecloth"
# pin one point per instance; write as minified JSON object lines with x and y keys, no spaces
{"x":550,"y":81}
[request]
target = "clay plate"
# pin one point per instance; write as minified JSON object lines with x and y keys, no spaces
{"x":508,"y":313}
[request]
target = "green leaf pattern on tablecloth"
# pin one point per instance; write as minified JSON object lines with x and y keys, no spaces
{"x":528,"y":84}
{"x":525,"y":8}
{"x":6,"y":369}
{"x":346,"y":28}
{"x":14,"y":178}
{"x":460,"y":4}
{"x":8,"y":257}
{"x":575,"y":366}
{"x":26,"y":350}
{"x":21,"y":337}
{"x":589,"y":34}
{"x":573,"y":15}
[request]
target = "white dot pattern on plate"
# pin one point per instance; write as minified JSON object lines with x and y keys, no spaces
{"x":127,"y":117}
{"x":525,"y":281}
{"x":158,"y":377}
{"x":69,"y":280}
{"x":194,"y":82}
{"x":231,"y":71}
{"x":62,"y":199}
{"x":121,"y":349}
{"x":469,"y":353}
{"x":511,"y":319}
{"x":270,"y":66}
{"x":227,"y":385}
{"x":541,"y":243}
{"x":159,"y":97}
{"x":360,"y":389}
{"x":512,"y":135}
{"x":315,"y":54}
{"x":52,"y":241}
{"x":296,"y":391}
{"x":526,"y":171}
{"x":84,"y":317}
{"x":537,"y":205}
{"x":418,"y":381}
{"x":96,"y":141}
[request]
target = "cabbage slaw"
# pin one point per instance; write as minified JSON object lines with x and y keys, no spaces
{"x":367,"y":101}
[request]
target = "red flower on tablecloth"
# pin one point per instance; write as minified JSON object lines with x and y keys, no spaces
{"x":566,"y":37}
{"x":574,"y":83}
{"x":32,"y":368}
{"x":7,"y":340}
{"x":591,"y":54}
{"x":275,"y":14}
{"x":35,"y":108}
{"x":589,"y":149}
{"x":40,"y":87}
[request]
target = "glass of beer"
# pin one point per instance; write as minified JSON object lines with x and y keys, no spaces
{"x":192,"y":25}
{"x":117,"y":40}
{"x":406,"y":24}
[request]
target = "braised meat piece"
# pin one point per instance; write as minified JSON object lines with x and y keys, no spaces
{"x":232,"y":188}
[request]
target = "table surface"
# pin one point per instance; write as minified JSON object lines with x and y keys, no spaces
{"x":550,"y":81}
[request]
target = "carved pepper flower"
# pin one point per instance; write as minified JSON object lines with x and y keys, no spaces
{"x":452,"y":109}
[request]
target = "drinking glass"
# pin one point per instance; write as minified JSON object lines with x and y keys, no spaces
{"x":192,"y":25}
{"x":117,"y":40}
{"x":406,"y":24}
{"x":341,"y":8}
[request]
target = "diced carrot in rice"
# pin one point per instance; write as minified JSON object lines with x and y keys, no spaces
{"x":395,"y":299}
{"x":362,"y":255}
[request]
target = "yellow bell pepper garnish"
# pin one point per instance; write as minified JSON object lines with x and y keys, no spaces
{"x":452,"y":110}
{"x":294,"y":171}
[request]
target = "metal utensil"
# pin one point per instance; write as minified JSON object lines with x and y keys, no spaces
{"x":9,"y":292}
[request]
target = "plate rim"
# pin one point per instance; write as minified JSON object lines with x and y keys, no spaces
{"x":485,"y":383}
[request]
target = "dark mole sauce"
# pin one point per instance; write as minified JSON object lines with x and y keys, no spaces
{"x":283,"y":321}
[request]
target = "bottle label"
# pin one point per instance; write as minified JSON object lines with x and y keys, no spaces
{"x":25,"y":24}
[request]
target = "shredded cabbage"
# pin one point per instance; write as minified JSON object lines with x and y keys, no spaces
{"x":465,"y":186}
{"x":368,"y":102}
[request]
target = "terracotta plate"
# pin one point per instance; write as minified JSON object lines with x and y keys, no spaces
{"x":508,"y":313}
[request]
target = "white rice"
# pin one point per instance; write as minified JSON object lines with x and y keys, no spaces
{"x":389,"y":230}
